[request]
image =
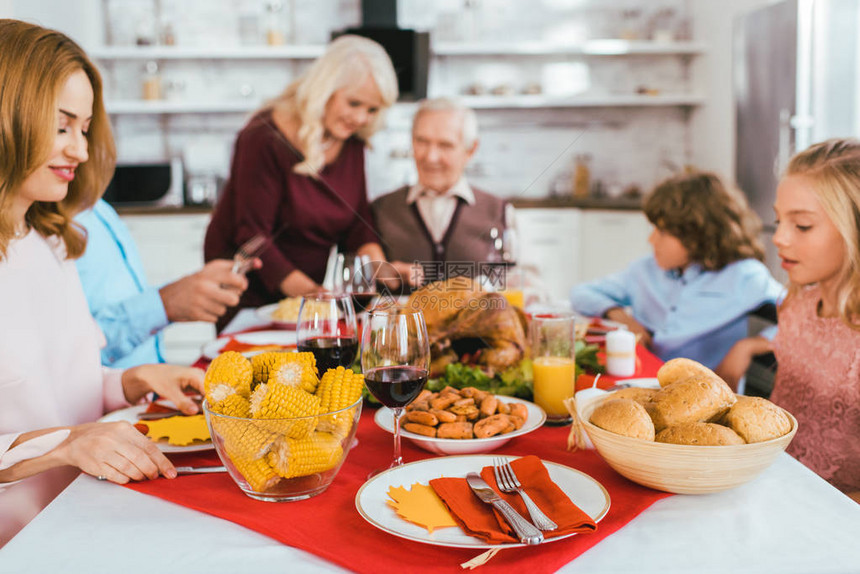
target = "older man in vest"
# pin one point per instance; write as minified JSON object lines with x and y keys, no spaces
{"x":441,"y":222}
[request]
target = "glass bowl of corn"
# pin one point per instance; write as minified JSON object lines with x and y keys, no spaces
{"x":281,"y":432}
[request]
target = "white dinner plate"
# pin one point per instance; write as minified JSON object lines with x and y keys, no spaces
{"x":129,"y":414}
{"x":370,"y":501}
{"x":265,"y":312}
{"x":384,"y":418}
{"x":284,"y":339}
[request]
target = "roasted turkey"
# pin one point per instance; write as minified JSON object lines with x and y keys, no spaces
{"x":467,"y":324}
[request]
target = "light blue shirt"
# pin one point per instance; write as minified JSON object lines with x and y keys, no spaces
{"x":696,"y":314}
{"x":128,"y":310}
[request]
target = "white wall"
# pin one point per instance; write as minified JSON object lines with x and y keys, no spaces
{"x":81,"y":20}
{"x":713,"y":125}
{"x":712,"y":139}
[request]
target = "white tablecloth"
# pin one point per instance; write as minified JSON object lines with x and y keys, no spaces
{"x":786,"y":521}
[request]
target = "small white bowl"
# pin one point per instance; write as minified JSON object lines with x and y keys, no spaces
{"x":384,"y":418}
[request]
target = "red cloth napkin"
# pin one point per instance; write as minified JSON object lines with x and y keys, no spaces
{"x":483,"y":521}
{"x":329,"y":526}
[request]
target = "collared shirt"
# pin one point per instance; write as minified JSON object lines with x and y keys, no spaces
{"x":129,"y":311}
{"x":695,"y":314}
{"x":437,"y":209}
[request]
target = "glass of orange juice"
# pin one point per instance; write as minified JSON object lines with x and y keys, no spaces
{"x":552,"y":337}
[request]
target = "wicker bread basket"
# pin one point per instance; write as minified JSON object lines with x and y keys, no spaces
{"x":683,"y":469}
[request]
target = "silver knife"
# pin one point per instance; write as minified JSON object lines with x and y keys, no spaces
{"x":526,"y":531}
{"x":199,"y":469}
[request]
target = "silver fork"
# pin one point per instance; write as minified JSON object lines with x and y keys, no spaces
{"x":244,"y":257}
{"x":507,"y":481}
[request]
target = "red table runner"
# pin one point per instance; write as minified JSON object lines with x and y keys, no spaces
{"x":329,"y":526}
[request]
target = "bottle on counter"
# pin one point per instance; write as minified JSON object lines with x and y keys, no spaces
{"x":151,"y":81}
{"x":582,"y":176}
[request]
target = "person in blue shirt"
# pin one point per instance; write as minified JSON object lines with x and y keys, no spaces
{"x":132,"y":313}
{"x":692,"y":296}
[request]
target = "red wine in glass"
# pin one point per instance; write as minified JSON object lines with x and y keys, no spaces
{"x":395,"y":386}
{"x":361,"y":300}
{"x":331,"y":352}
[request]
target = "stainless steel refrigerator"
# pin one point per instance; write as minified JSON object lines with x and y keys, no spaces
{"x":796,"y":82}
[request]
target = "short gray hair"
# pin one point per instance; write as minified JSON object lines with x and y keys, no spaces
{"x":470,"y":119}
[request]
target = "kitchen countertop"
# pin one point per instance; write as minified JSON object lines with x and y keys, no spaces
{"x":611,"y":204}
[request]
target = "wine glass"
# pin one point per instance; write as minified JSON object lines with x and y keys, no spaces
{"x":358,"y":282}
{"x":354,"y":274}
{"x":395,"y":359}
{"x":326,"y":327}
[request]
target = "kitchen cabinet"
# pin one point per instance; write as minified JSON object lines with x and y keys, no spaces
{"x":549,"y":242}
{"x":610,"y":240}
{"x":569,"y":246}
{"x":171,"y":246}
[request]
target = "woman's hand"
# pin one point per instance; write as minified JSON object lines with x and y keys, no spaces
{"x":169,"y":381}
{"x":116,"y":451}
{"x":619,"y":315}
{"x":297,"y":284}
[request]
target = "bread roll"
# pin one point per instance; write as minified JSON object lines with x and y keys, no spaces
{"x":702,"y":398}
{"x":625,"y":417}
{"x":675,"y":370}
{"x":641,"y":395}
{"x":757,"y":419}
{"x":701,"y":434}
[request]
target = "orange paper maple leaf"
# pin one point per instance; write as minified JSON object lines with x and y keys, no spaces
{"x":420,"y":505}
{"x":179,"y":430}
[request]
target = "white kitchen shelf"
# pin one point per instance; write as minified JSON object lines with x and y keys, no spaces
{"x":180,"y":107}
{"x":309,"y":51}
{"x":476,"y":102}
{"x":288,"y":52}
{"x":590,"y":101}
{"x":607,"y":47}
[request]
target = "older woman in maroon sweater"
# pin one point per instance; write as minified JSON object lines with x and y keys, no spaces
{"x":298,"y":173}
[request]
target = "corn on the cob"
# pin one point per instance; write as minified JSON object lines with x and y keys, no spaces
{"x":275,"y":401}
{"x":267,"y":366}
{"x":338,"y":388}
{"x":231,"y":368}
{"x":318,"y":452}
{"x":246,"y":438}
{"x":257,"y":471}
{"x":224,"y":399}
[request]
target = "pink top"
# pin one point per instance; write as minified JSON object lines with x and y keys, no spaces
{"x":50,"y":369}
{"x":818,"y":381}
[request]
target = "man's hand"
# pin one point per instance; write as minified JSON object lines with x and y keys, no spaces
{"x":411,"y":273}
{"x":205,"y":295}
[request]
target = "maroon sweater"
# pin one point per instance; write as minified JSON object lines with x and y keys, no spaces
{"x":263,"y":194}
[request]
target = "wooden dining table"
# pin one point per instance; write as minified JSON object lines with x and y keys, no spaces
{"x":787,"y":520}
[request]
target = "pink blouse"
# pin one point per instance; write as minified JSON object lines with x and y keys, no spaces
{"x":818,"y":381}
{"x":50,"y":369}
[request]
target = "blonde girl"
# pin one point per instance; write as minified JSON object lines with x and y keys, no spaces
{"x":818,"y":345}
{"x":56,"y":157}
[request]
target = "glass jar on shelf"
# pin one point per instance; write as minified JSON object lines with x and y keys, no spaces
{"x":275,"y":29}
{"x":151,"y":81}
